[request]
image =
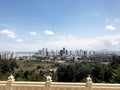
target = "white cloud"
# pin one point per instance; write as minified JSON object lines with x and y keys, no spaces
{"x":115,"y":43}
{"x":110,"y":27}
{"x":19,"y":40}
{"x":49,"y":32}
{"x":8,"y":33}
{"x":113,"y":20}
{"x":108,"y":42}
{"x":71,"y":42}
{"x":117,"y":20}
{"x":6,"y":25}
{"x":32,"y":33}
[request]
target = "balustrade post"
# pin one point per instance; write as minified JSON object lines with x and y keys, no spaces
{"x":9,"y":82}
{"x":89,"y":83}
{"x":48,"y":82}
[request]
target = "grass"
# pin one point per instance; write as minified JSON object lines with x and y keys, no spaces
{"x":32,"y":65}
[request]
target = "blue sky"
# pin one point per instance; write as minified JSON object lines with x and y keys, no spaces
{"x":29,"y":25}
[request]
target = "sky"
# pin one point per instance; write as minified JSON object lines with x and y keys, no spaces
{"x":30,"y":25}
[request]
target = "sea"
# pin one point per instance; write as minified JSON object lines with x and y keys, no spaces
{"x":25,"y":53}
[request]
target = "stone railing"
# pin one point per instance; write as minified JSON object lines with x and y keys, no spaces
{"x":11,"y":84}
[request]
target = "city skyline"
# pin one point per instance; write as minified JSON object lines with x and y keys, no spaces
{"x":75,"y":24}
{"x":45,"y":52}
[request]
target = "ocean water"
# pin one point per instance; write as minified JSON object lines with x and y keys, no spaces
{"x":25,"y":53}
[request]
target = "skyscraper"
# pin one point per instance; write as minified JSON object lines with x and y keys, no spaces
{"x":64,"y":50}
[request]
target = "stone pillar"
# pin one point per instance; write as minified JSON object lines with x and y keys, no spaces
{"x":48,"y":82}
{"x":9,"y":82}
{"x":89,"y":83}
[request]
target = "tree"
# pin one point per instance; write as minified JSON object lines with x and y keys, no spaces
{"x":13,"y":64}
{"x":73,"y":72}
{"x":98,"y":73}
{"x":65,"y":73}
{"x":82,"y":71}
{"x":4,"y":66}
{"x":26,"y":74}
{"x":61,"y":73}
{"x":19,"y":75}
{"x":115,"y":75}
{"x":115,"y":61}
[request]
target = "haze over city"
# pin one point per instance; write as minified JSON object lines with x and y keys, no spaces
{"x":29,"y":25}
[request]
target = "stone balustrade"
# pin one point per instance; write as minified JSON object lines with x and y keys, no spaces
{"x":11,"y":84}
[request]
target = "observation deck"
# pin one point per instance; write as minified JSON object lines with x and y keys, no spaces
{"x":11,"y":84}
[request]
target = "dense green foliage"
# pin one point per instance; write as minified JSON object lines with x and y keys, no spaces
{"x":99,"y":72}
{"x":7,"y":67}
{"x":78,"y":72}
{"x":67,"y":72}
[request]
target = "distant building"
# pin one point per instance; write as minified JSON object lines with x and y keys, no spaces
{"x":64,"y":50}
{"x":61,"y":52}
{"x":13,"y":55}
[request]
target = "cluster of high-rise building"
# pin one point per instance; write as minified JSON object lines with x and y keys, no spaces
{"x":7,"y":55}
{"x":63,"y":52}
{"x":52,"y":54}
